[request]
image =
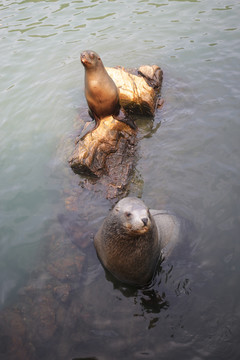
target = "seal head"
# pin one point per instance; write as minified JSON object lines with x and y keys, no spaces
{"x":127,"y":243}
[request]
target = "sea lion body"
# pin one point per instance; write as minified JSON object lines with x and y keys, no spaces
{"x":131,"y":238}
{"x":127,"y":243}
{"x":100,"y":90}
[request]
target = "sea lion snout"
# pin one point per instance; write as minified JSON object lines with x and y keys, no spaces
{"x":145,"y":221}
{"x":88,"y":57}
{"x":138,"y":224}
{"x":84,"y":57}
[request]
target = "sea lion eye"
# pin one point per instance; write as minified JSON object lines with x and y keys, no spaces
{"x":128,"y":214}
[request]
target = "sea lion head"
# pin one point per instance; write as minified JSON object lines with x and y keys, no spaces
{"x":133,"y":215}
{"x":90,"y":59}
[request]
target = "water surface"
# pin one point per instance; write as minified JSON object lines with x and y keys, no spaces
{"x":190,"y":165}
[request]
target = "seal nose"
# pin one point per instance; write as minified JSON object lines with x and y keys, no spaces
{"x":82,"y":57}
{"x":145,"y":221}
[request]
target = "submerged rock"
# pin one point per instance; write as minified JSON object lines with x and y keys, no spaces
{"x":29,"y":326}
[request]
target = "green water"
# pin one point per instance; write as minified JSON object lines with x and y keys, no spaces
{"x":190,"y":165}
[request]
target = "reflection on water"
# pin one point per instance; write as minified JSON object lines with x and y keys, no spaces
{"x":147,"y":300}
{"x":56,"y":300}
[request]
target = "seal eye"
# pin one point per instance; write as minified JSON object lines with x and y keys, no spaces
{"x":128,"y":214}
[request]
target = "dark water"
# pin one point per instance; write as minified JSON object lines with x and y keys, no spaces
{"x":56,"y":300}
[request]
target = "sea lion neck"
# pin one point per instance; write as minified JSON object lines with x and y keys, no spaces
{"x":96,"y":67}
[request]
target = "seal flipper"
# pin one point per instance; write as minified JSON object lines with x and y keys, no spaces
{"x":121,"y":117}
{"x":169,"y":229}
{"x":90,"y":113}
{"x":97,"y":121}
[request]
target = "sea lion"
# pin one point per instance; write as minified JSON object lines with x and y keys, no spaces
{"x":100,"y":90}
{"x":131,"y":239}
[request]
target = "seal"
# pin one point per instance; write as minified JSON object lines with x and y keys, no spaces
{"x":100,"y":90}
{"x":127,"y":243}
{"x":130,"y":240}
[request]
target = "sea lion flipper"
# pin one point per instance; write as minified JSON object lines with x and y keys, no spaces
{"x":90,"y":113}
{"x":121,"y":117}
{"x":129,"y":122}
{"x":97,"y":120}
